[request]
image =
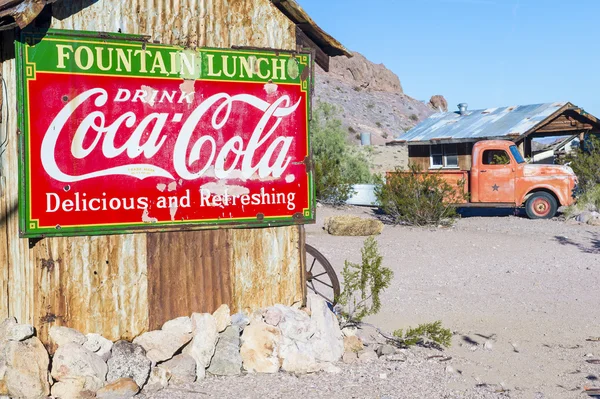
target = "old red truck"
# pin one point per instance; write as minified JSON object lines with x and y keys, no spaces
{"x":500,"y":177}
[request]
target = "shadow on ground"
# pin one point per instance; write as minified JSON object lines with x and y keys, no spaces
{"x":484,"y":212}
{"x":593,"y":248}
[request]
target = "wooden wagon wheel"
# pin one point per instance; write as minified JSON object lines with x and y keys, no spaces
{"x":320,"y":275}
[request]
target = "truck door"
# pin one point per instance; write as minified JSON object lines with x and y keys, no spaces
{"x":496,"y":177}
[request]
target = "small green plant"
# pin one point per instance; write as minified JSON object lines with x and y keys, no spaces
{"x":414,"y":117}
{"x":585,"y":163}
{"x":589,"y":201}
{"x":370,"y":106}
{"x":385,"y":135}
{"x":357,"y":88}
{"x":364,"y":283}
{"x":418,"y":198}
{"x":351,"y":129}
{"x":501,"y":159}
{"x":378,"y":124}
{"x":429,"y":334}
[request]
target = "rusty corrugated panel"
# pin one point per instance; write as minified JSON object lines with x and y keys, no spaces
{"x":191,"y":275}
{"x":92,"y":284}
{"x":267,"y":267}
{"x":67,"y":280}
{"x":194,"y":23}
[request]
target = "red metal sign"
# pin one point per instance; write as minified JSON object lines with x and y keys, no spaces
{"x":172,"y":138}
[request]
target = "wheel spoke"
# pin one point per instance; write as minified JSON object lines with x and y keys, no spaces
{"x":319,"y":275}
{"x":313,"y":265}
{"x":322,"y":282}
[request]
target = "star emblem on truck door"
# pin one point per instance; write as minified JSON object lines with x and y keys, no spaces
{"x":495,"y":187}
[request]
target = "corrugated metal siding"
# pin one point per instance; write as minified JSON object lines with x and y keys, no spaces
{"x":95,"y":284}
{"x":201,"y":280}
{"x":68,"y":280}
{"x":193,"y":23}
{"x":265,"y":267}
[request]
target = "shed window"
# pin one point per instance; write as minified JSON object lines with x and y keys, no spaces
{"x":443,"y":156}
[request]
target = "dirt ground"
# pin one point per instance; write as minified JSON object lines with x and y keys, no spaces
{"x":521,"y":296}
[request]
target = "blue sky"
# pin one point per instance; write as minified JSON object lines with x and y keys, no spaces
{"x":486,"y":53}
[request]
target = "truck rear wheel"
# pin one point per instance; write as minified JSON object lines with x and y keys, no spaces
{"x":541,"y":205}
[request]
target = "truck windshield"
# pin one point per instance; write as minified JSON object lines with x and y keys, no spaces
{"x":516,"y":154}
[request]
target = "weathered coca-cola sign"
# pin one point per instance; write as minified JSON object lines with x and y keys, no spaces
{"x":119,"y":135}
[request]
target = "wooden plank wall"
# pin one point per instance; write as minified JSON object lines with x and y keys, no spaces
{"x":123,"y":285}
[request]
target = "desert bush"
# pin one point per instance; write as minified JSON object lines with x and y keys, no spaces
{"x":364,"y":283}
{"x":589,"y":201}
{"x":414,"y":117}
{"x":418,"y":198}
{"x":338,"y":165}
{"x":585,"y":163}
{"x":428,"y":334}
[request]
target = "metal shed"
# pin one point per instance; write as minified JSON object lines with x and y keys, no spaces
{"x":454,"y":133}
{"x":123,"y":285}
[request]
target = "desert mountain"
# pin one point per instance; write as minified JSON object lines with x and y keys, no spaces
{"x":370,"y":98}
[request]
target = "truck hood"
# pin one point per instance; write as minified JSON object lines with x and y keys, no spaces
{"x":547,"y":170}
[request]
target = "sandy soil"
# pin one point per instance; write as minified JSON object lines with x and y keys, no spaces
{"x":522,"y":296}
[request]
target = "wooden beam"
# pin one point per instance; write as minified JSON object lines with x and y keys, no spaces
{"x":321,"y":58}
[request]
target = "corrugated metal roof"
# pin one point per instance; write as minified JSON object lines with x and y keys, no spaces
{"x":480,"y":124}
{"x":20,"y":13}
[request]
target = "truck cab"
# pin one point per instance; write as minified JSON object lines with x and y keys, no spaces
{"x":500,"y":176}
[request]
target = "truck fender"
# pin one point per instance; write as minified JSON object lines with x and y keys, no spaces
{"x":547,"y":189}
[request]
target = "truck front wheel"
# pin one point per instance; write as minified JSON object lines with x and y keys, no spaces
{"x":541,"y":205}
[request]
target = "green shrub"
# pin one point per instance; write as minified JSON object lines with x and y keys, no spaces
{"x":429,"y":334}
{"x":589,"y":201}
{"x":586,"y":163}
{"x":414,"y":117}
{"x":418,"y":198}
{"x":338,"y":165}
{"x":364,"y":283}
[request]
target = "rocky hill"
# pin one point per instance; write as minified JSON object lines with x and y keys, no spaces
{"x":371,"y":99}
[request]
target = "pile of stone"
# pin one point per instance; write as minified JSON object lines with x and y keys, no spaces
{"x":291,"y":339}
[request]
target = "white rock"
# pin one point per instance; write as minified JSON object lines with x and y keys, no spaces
{"x":260,"y":347}
{"x":327,"y":342}
{"x":182,"y":369}
{"x":272,"y":316}
{"x":367,"y":356}
{"x":227,"y":359}
{"x":158,"y":380}
{"x":202,"y":347}
{"x":72,"y":388}
{"x":20,"y":332}
{"x":128,"y":360}
{"x":300,"y":363}
{"x":383,"y":376}
{"x":240,"y":320}
{"x":27,"y":369}
{"x":99,"y":345}
{"x":295,"y":324}
{"x":161,"y":345}
{"x":181,"y":324}
{"x":61,"y":335}
{"x":488,"y":345}
{"x":72,"y":360}
{"x":123,"y":388}
{"x":330,"y":368}
{"x":223,"y":317}
{"x":349,"y":331}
